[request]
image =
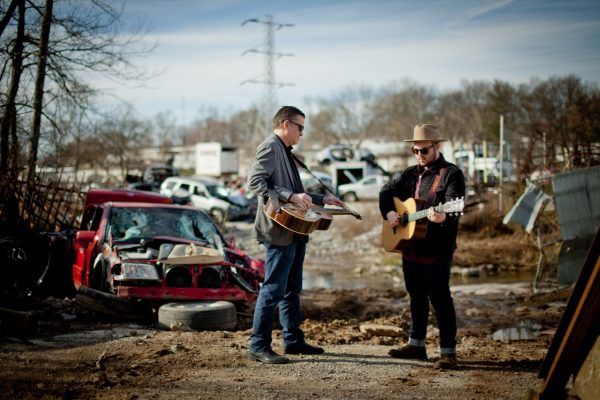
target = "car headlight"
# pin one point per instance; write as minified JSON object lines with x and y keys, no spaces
{"x":136,"y":272}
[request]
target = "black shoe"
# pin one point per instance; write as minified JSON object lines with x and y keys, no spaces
{"x":268,"y":357}
{"x":303,"y":348}
{"x":409,"y":352}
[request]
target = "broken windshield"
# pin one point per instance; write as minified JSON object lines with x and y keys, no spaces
{"x":132,"y":224}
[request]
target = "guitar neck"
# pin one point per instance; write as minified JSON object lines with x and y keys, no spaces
{"x":336,"y":211}
{"x":423,"y":213}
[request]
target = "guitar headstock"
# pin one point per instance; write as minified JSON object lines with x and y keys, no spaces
{"x":454,"y":206}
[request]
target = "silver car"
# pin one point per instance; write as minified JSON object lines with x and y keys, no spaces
{"x":366,"y":188}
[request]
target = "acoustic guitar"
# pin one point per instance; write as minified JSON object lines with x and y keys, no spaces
{"x":299,"y":220}
{"x":412,"y":225}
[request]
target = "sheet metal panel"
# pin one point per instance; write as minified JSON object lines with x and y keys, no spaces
{"x":527,"y":207}
{"x":577,"y":201}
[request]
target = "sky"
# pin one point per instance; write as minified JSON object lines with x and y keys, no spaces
{"x":199,"y":58}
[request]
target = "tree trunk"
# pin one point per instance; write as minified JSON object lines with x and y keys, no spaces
{"x":9,"y":12}
{"x":39,"y":88}
{"x":10,"y":114}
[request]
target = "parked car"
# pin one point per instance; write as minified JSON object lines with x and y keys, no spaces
{"x":142,"y":247}
{"x":312,"y":185}
{"x":366,"y":188}
{"x":342,"y":152}
{"x":146,"y":187}
{"x":158,"y":173}
{"x":210,"y":196}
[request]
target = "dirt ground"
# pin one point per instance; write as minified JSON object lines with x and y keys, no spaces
{"x":72,"y":353}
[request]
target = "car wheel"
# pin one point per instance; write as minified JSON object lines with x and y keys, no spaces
{"x":350,"y":196}
{"x":99,"y":274}
{"x":113,"y":306}
{"x":198,"y":316}
{"x":217,"y":215}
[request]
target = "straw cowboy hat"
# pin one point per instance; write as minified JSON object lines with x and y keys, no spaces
{"x":426,"y":133}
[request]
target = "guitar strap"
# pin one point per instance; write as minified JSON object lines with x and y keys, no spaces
{"x":300,"y":163}
{"x":436,"y":182}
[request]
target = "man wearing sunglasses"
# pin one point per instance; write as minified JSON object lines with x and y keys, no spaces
{"x":426,"y":262}
{"x":274,"y":169}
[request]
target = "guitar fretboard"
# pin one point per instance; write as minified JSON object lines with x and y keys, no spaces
{"x":423,"y":213}
{"x":328,"y":210}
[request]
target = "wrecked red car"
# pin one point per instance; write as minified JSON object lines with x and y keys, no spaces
{"x":138,"y":245}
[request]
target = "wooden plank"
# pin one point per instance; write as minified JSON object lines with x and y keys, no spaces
{"x":584,"y":276}
{"x":578,"y":328}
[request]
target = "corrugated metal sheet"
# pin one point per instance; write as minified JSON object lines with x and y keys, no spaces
{"x":527,"y":207}
{"x":577,"y":201}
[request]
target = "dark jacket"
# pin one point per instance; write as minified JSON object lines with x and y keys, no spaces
{"x":440,"y":240}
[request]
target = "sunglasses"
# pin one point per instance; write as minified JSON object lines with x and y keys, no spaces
{"x":300,"y":127}
{"x":424,"y":150}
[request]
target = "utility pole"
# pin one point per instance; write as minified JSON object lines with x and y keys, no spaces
{"x":268,"y":79}
{"x":500,"y":205}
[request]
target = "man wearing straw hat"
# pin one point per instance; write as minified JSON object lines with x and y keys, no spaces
{"x":426,"y":262}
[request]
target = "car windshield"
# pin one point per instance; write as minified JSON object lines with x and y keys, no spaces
{"x":132,"y":224}
{"x":217,"y":191}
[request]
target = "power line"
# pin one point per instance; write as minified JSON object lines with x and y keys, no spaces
{"x":268,"y":78}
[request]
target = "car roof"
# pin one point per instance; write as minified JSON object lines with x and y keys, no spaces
{"x":119,"y":204}
{"x":98,"y":196}
{"x":193,"y":179}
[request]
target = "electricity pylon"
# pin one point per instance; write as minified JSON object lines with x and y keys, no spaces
{"x":268,"y":77}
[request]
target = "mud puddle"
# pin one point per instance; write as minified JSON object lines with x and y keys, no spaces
{"x":330,"y":276}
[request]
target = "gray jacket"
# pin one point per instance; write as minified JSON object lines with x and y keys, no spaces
{"x":272,"y":164}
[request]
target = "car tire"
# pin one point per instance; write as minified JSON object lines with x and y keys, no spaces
{"x":198,"y":316}
{"x":99,"y":274}
{"x":112,"y":306}
{"x":350,"y":196}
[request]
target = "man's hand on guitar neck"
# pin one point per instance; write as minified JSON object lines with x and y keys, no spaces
{"x":394,"y":218}
{"x":436,"y":217}
{"x":302,"y":199}
{"x":333,"y":201}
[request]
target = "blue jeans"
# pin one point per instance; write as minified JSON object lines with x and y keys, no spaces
{"x":430,"y":283}
{"x":282,"y":286}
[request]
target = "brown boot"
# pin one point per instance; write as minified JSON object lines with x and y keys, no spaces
{"x":446,"y":361}
{"x":409,"y":352}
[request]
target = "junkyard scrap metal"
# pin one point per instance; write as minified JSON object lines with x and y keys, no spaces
{"x":138,"y":245}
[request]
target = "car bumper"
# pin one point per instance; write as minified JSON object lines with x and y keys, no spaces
{"x":184,"y":294}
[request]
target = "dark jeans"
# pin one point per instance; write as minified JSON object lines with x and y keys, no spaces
{"x":282,"y":286}
{"x":431,"y":283}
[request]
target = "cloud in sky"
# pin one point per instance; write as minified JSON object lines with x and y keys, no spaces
{"x":341,"y":43}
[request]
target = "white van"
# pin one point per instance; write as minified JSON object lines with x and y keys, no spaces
{"x":208,"y":195}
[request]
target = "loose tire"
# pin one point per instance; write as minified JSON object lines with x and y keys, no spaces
{"x":198,"y":316}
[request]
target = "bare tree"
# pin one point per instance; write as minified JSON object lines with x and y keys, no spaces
{"x":39,"y":87}
{"x":348,"y":116}
{"x":10,"y":112}
{"x":71,"y":38}
{"x":8,"y":15}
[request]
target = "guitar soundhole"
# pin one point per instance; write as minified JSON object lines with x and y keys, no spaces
{"x":404,"y":219}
